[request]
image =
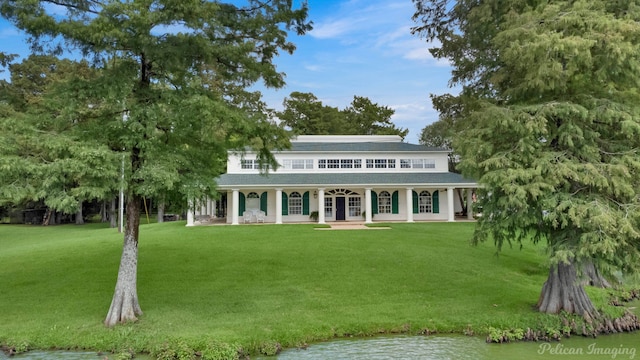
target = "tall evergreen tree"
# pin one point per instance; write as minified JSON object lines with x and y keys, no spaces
{"x":551,"y":129}
{"x":170,"y":95}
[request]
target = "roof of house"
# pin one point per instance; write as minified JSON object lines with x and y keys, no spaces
{"x":361,"y":147}
{"x":408,"y":179}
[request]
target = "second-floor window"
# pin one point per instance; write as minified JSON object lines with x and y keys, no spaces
{"x":417,"y":163}
{"x":297,"y":164}
{"x":249,"y":164}
{"x":339,"y":163}
{"x":381,"y":163}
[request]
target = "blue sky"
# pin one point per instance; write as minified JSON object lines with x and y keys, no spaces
{"x":357,"y":47}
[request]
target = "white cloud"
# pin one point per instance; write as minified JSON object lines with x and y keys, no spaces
{"x":388,"y":39}
{"x":9,"y":32}
{"x":314,"y":68}
{"x":332,"y":29}
{"x":421,"y":53}
{"x":361,"y":19}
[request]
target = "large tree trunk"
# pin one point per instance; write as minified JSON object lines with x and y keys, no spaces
{"x":563,"y":292}
{"x":47,"y":217}
{"x":161,"y":211}
{"x":104,"y":216}
{"x":125,"y":306}
{"x":591,"y":276}
{"x":79,"y":215}
{"x":113,"y":216}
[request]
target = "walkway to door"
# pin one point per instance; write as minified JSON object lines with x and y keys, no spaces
{"x":351,"y":226}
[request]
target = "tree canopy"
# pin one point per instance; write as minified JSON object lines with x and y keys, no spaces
{"x":305,"y":114}
{"x":168,"y":96}
{"x":41,"y":157}
{"x":550,"y":127}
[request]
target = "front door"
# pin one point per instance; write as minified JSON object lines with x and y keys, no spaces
{"x":340,"y":208}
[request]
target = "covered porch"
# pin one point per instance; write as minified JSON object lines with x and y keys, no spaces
{"x":286,"y":198}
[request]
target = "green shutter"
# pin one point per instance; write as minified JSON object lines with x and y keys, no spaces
{"x":263,"y":202}
{"x":285,"y":204}
{"x":394,"y":202}
{"x":241,"y":204}
{"x":374,"y":202}
{"x":415,"y":202}
{"x":305,"y":203}
{"x":435,"y":201}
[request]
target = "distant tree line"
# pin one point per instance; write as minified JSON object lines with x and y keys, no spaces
{"x":305,"y":114}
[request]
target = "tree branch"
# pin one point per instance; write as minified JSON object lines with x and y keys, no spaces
{"x":76,"y":7}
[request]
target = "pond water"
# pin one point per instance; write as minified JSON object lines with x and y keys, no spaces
{"x":619,"y":346}
{"x":434,"y":347}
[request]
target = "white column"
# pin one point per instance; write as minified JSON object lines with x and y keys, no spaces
{"x":190,"y":213}
{"x":450,"y":207}
{"x":278,"y":206}
{"x":214,"y":208}
{"x":469,"y":204}
{"x":367,"y":206}
{"x":409,"y":204}
{"x":235,"y":205}
{"x":321,"y":219}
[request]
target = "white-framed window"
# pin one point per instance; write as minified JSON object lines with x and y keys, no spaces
{"x":328,"y":207}
{"x":381,"y":163}
{"x":424,"y":202}
{"x":295,"y":203}
{"x":417,"y":163}
{"x":340,"y":164}
{"x":252,"y":201}
{"x":297,"y":164}
{"x":249,"y":164}
{"x":384,"y":202}
{"x":355,"y":204}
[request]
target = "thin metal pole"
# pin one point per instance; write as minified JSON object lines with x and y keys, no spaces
{"x":121,"y":197}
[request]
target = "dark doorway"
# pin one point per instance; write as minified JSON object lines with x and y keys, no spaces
{"x":340,"y":213}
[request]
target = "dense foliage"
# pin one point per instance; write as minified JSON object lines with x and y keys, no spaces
{"x":549,"y":123}
{"x":166,"y":94}
{"x":305,"y":114}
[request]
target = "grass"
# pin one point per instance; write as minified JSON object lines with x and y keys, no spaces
{"x":254,"y":286}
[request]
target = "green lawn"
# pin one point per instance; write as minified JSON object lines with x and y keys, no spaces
{"x":255,"y":285}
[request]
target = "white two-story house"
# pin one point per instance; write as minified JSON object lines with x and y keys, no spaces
{"x":329,"y":178}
